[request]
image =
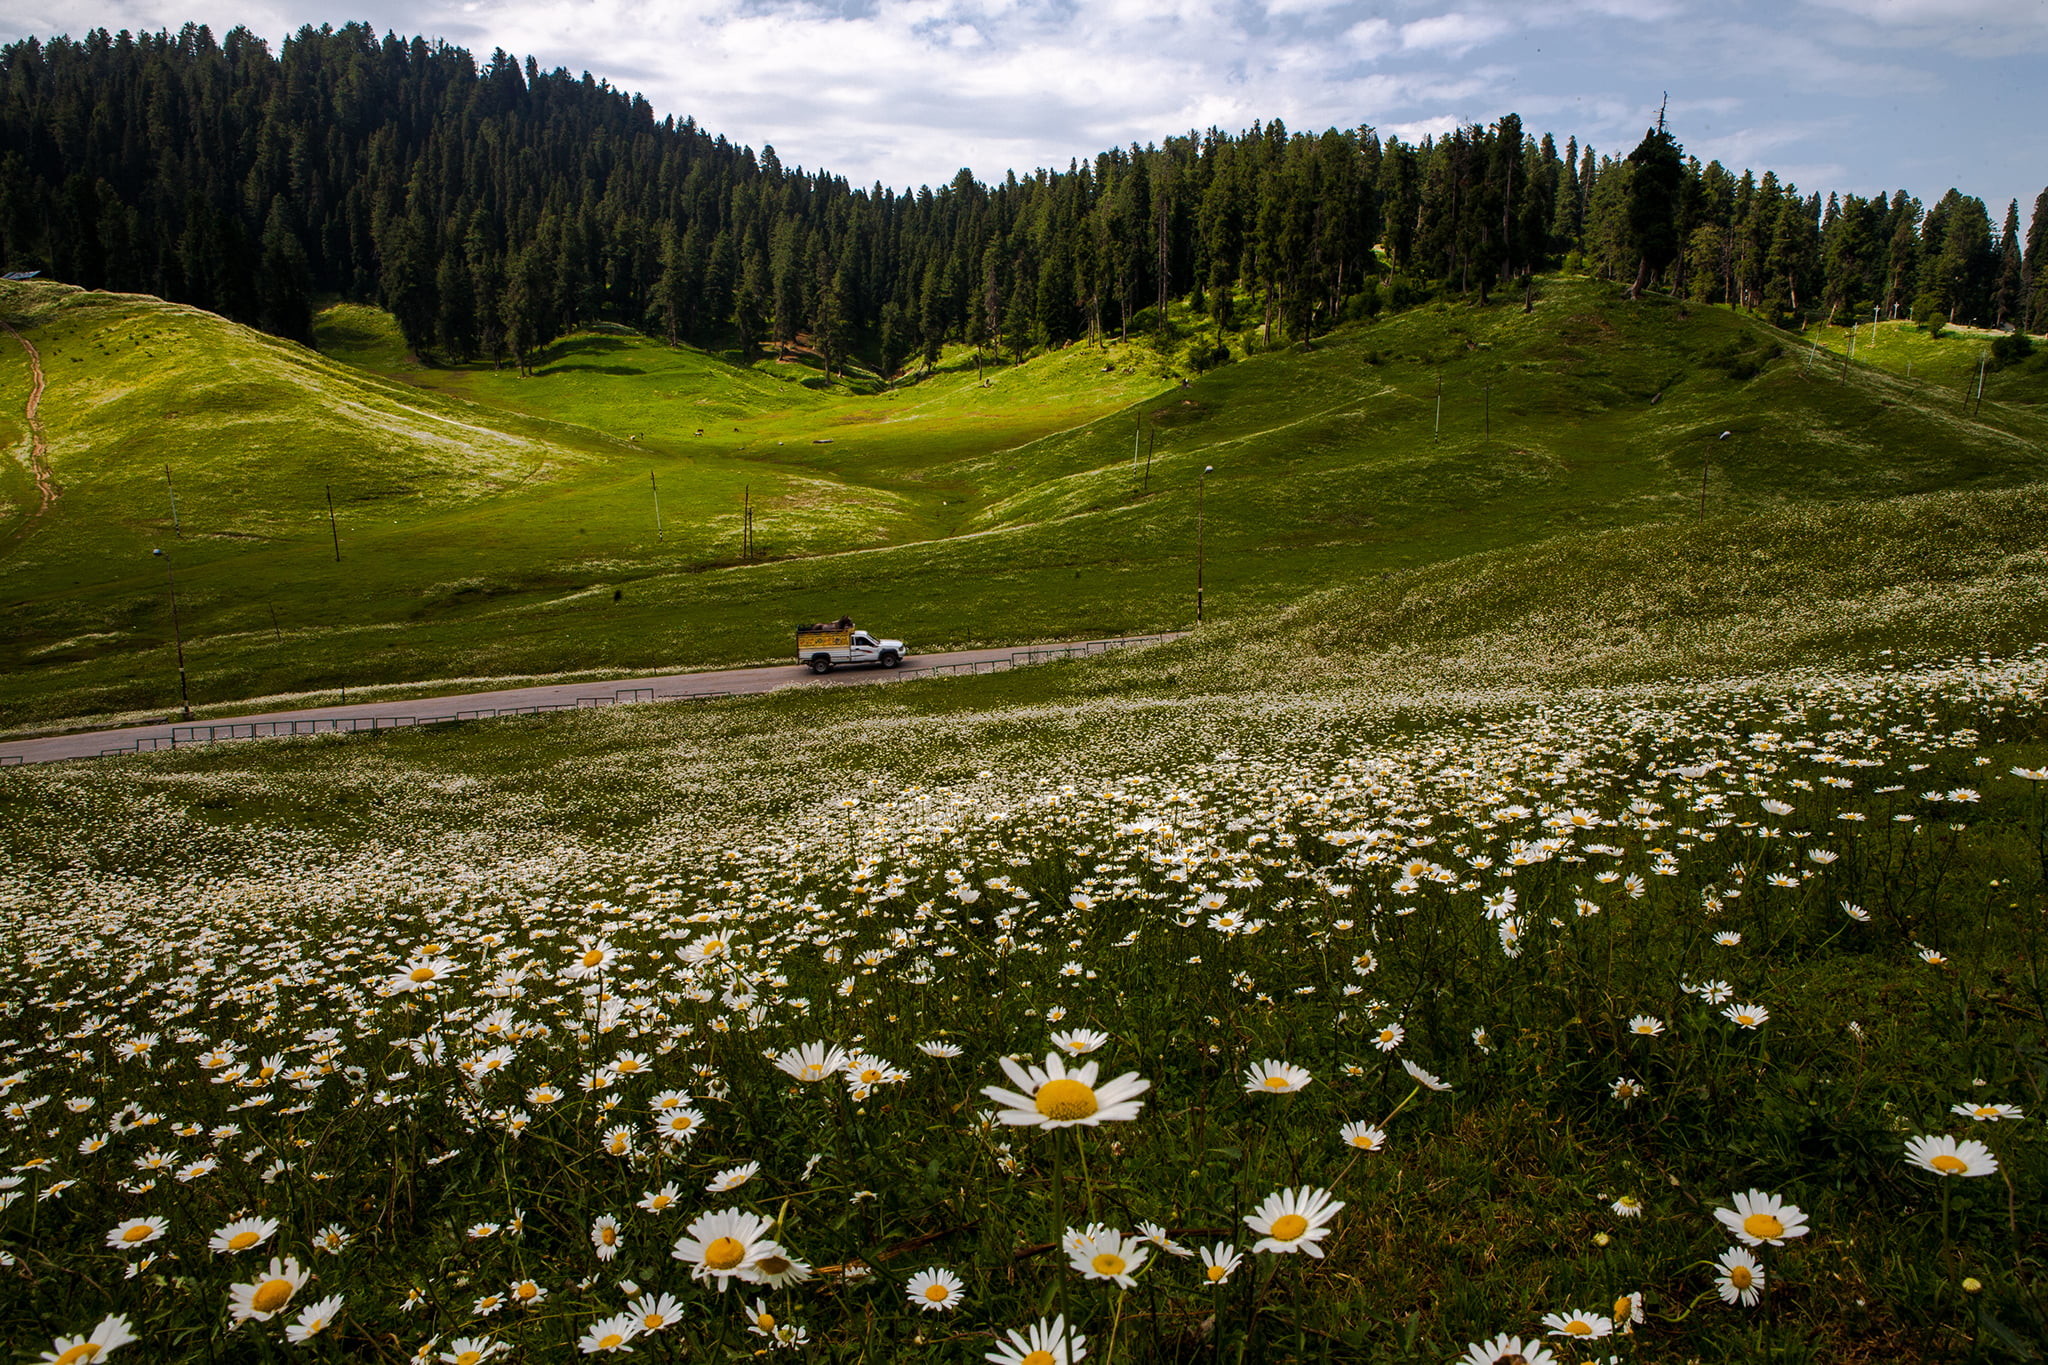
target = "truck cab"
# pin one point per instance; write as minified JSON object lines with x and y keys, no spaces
{"x":822,"y":648}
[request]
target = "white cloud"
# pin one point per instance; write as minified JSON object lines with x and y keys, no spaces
{"x":1455,"y":33}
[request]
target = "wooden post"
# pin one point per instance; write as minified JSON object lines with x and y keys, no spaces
{"x":659,"y":534}
{"x":176,"y":529}
{"x":332,"y":528}
{"x":1438,"y":431}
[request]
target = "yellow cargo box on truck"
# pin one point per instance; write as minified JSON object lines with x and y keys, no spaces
{"x":822,"y":648}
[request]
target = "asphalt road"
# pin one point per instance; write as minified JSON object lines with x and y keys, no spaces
{"x":556,"y":696}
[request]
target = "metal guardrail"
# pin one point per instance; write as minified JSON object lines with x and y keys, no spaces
{"x":183,"y":736}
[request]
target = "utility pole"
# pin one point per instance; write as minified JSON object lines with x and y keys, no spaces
{"x":176,"y":529}
{"x":1438,"y":431}
{"x":1489,"y":412}
{"x":1703,"y":473}
{"x":655,"y":488}
{"x":177,"y":634}
{"x":1201,"y":503}
{"x":747,"y":523}
{"x":1150,"y":441}
{"x":1980,"y":384}
{"x":333,"y":529}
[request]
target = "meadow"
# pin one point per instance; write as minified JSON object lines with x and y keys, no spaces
{"x":1054,"y":499}
{"x":1534,"y":919}
{"x":476,"y":1027}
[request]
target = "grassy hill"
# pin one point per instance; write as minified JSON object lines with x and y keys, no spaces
{"x":1773,"y":758}
{"x":957,"y":510}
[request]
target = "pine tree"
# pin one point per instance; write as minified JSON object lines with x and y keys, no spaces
{"x":2009,"y":291}
{"x":2035,"y":265}
{"x":1653,"y":205}
{"x":407,"y":280}
{"x":283,"y":279}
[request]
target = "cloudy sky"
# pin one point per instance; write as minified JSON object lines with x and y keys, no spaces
{"x":1862,"y":95}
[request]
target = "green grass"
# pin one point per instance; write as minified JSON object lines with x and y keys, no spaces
{"x":1947,"y":362}
{"x":1426,"y":651}
{"x":1427,"y":707}
{"x":978,"y":512}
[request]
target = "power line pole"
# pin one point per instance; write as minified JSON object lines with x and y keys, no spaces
{"x":1438,"y":431}
{"x":177,"y":634}
{"x":1201,"y":503}
{"x":1980,"y":384}
{"x":333,"y":529}
{"x":176,"y":529}
{"x":658,"y":533}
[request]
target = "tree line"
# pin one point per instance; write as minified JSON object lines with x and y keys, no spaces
{"x":493,"y":207}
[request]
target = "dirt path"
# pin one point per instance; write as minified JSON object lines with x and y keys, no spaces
{"x":38,"y":439}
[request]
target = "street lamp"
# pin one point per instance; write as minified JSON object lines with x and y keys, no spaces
{"x":1201,"y":501}
{"x":178,"y":634}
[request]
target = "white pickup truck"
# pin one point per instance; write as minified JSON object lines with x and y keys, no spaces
{"x":823,"y":648}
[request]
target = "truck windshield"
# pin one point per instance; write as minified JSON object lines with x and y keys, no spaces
{"x":862,"y":640}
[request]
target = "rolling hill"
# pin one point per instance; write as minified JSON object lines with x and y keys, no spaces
{"x":1054,"y":498}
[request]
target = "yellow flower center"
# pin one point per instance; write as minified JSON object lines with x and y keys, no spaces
{"x":1740,"y":1277}
{"x":1217,"y":1272}
{"x":592,"y":958}
{"x":661,"y":1201}
{"x":1624,"y":1307}
{"x":526,"y":1290}
{"x":1065,"y":1100}
{"x":611,"y":1341}
{"x":610,"y":1236}
{"x":83,"y":1351}
{"x":724,"y":1253}
{"x":1276,"y":1082}
{"x":653,"y":1322}
{"x":470,"y":1358}
{"x":243,"y":1240}
{"x":1039,"y":1358}
{"x":1949,"y":1165}
{"x":137,"y":1233}
{"x":716,"y":945}
{"x":937,"y":1293}
{"x":271,"y":1295}
{"x":1287,"y":1227}
{"x":1579,"y":1327}
{"x":1108,"y":1263}
{"x":1362,"y":1141}
{"x":870,"y":1076}
{"x":771,"y":1265}
{"x":765,"y":1321}
{"x":1763,"y":1227}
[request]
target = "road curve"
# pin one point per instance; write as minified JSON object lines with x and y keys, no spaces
{"x":520,"y":700}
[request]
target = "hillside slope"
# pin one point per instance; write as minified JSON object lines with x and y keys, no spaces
{"x":1036,"y":502}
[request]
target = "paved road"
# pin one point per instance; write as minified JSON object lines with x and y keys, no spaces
{"x":525,"y":700}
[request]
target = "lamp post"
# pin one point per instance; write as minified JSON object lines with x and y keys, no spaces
{"x":177,"y":634}
{"x":1201,"y":503}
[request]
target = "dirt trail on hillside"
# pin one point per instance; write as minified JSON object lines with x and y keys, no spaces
{"x":38,"y":440}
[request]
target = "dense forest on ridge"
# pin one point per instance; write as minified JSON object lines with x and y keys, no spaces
{"x":493,"y":208}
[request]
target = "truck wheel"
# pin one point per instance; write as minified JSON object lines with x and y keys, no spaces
{"x":889,"y":659}
{"x":821,"y":663}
